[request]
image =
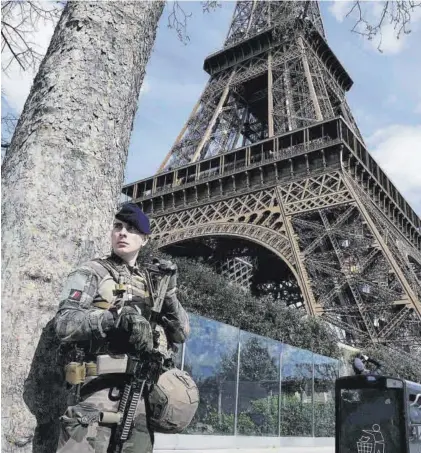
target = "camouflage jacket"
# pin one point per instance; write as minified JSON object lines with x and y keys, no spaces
{"x":89,"y":290}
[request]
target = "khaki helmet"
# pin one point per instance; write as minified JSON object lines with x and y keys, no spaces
{"x":173,"y":401}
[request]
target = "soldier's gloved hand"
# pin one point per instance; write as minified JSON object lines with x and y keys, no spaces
{"x":171,"y":325}
{"x":137,"y":327}
{"x":165,"y":266}
{"x":174,"y":328}
{"x":108,"y":320}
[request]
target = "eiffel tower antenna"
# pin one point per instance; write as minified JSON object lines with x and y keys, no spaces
{"x":272,"y":161}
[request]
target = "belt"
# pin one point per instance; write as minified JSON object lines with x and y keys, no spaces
{"x":76,"y":372}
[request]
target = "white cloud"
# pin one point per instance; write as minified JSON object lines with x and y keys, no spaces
{"x":397,"y":149}
{"x":388,"y":41}
{"x":17,"y":83}
{"x":340,"y":8}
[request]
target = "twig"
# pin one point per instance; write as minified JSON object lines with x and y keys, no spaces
{"x":397,"y":13}
{"x":18,"y":23}
{"x":177,"y":19}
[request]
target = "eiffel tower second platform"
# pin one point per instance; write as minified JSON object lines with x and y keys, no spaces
{"x":271,"y":155}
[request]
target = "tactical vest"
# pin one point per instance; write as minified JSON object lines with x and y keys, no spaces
{"x":114,"y":274}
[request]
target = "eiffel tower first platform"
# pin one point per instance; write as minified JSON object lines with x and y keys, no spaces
{"x":271,"y":157}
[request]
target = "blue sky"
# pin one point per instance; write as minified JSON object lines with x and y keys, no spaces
{"x":385,"y":98}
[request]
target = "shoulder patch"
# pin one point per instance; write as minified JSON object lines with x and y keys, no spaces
{"x":75,"y":294}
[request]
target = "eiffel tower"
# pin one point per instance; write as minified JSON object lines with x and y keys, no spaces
{"x":271,"y":159}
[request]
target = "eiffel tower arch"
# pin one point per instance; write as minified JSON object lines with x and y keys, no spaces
{"x":271,"y":155}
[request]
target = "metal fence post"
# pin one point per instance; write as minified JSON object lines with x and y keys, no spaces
{"x":237,"y":384}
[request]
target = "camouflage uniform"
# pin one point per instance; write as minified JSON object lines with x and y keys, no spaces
{"x":80,"y":320}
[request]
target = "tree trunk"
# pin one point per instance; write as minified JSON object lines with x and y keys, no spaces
{"x":63,"y":173}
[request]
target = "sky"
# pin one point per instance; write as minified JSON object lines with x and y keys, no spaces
{"x":385,"y":98}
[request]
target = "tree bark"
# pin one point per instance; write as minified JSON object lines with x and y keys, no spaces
{"x":63,"y":173}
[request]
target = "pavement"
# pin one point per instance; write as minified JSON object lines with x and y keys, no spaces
{"x":258,"y":450}
{"x":176,"y":443}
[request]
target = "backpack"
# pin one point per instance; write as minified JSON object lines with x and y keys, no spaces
{"x":45,"y":391}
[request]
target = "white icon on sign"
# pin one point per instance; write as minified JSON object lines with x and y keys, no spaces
{"x":373,"y":443}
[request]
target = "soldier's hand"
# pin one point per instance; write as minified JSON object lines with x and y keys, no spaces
{"x":171,"y":325}
{"x":137,"y":327}
{"x":176,"y":330}
{"x":165,"y":265}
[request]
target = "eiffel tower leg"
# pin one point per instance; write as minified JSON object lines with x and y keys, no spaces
{"x":215,"y":115}
{"x":415,"y":303}
{"x":270,"y":96}
{"x":179,"y":136}
{"x":356,"y":281}
{"x":309,"y":301}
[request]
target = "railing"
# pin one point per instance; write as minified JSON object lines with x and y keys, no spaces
{"x":230,"y":169}
{"x":242,"y":190}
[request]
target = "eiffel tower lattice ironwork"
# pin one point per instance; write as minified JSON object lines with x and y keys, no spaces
{"x":271,"y":155}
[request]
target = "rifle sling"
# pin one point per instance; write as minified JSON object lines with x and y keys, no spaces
{"x":106,"y":381}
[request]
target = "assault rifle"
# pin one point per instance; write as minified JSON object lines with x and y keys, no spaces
{"x":141,"y":369}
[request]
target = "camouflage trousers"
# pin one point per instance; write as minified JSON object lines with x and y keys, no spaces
{"x":81,"y":433}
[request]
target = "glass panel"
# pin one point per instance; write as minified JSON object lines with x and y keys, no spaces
{"x":258,"y":391}
{"x":326,"y":370}
{"x":345,"y":362}
{"x":296,"y":396}
{"x":211,"y":359}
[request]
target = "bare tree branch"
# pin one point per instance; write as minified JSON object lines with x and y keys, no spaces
{"x":8,"y":125}
{"x":9,"y":122}
{"x":177,"y":19}
{"x":18,"y":22}
{"x":397,"y":13}
{"x":210,"y":6}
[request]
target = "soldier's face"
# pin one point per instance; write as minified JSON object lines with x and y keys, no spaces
{"x":126,"y":240}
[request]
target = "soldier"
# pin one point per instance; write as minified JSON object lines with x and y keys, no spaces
{"x":360,"y":362}
{"x":87,"y":317}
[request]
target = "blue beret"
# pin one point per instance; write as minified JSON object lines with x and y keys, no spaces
{"x":132,"y":214}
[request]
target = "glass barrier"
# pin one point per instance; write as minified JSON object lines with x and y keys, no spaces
{"x":258,"y":386}
{"x":296,"y":392}
{"x":326,"y":371}
{"x":211,"y":358}
{"x":254,"y":386}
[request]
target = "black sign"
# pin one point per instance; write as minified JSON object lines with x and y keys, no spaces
{"x":370,"y":419}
